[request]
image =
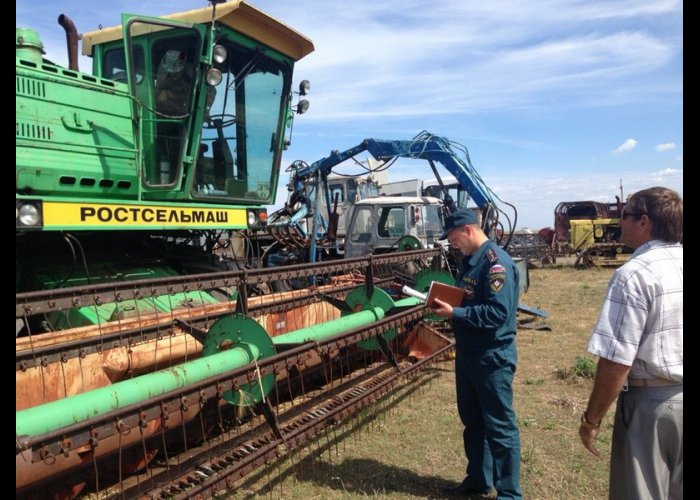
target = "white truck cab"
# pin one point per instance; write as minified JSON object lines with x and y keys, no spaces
{"x":377,"y":224}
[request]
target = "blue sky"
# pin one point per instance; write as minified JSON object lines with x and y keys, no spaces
{"x":556,"y":100}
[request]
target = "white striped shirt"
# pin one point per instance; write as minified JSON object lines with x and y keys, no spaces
{"x":641,"y":322}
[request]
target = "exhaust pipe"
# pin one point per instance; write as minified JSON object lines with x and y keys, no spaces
{"x":71,"y":40}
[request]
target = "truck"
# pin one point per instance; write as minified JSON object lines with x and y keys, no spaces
{"x":292,"y":222}
{"x":389,"y":223}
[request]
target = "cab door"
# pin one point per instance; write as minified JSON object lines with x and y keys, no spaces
{"x":165,"y":99}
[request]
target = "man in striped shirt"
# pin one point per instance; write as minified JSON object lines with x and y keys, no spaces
{"x":639,"y":341}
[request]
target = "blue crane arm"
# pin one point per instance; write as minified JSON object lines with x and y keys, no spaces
{"x":431,"y":148}
{"x":325,"y":165}
{"x":435,"y":149}
{"x":425,"y":146}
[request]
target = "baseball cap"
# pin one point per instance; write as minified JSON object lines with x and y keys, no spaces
{"x":173,"y":61}
{"x":460,"y":217}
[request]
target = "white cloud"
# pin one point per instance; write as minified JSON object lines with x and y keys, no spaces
{"x":666,"y":146}
{"x":667,"y":172}
{"x":628,"y":145}
{"x":455,"y":58}
{"x":461,"y":58}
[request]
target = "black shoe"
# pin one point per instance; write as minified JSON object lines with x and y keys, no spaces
{"x":466,"y":489}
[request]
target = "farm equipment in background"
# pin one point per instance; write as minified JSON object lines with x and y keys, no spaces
{"x":531,"y":246}
{"x":387,"y":223}
{"x":591,"y":231}
{"x":309,"y":191}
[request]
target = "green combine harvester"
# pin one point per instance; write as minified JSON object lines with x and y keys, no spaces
{"x":148,"y":343}
{"x":170,"y":145}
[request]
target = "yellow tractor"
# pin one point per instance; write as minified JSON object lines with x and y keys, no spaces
{"x":591,"y":231}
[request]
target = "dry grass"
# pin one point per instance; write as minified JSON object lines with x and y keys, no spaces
{"x":410,"y":446}
{"x":550,"y":397}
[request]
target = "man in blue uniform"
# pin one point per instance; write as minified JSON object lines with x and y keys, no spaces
{"x":486,"y":358}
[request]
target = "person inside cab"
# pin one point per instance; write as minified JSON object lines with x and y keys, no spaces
{"x":173,"y":84}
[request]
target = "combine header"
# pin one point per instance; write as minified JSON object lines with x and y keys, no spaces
{"x":186,"y":402}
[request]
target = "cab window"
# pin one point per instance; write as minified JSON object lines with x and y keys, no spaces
{"x":241,"y":127}
{"x":336,"y":190}
{"x":391,"y":222}
{"x":361,"y":230}
{"x":114,"y":65}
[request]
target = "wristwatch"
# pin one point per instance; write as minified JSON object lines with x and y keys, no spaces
{"x":584,"y":421}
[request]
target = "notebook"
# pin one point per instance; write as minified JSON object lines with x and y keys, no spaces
{"x":447,"y":293}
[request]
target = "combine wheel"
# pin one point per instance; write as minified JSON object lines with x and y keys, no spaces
{"x":408,"y":242}
{"x":238,"y":330}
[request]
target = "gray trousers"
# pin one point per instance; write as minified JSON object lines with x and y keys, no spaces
{"x":647,"y":448}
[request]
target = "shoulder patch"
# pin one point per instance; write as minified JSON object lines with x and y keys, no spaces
{"x":497,"y":269}
{"x":491,"y":255}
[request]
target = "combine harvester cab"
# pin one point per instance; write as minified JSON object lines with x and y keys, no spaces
{"x":137,"y":170}
{"x":146,"y":365}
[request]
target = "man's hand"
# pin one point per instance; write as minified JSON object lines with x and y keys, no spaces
{"x":441,"y":308}
{"x":609,"y":378}
{"x":588,"y":434}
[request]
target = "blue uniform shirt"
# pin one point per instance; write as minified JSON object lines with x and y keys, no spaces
{"x":487,"y":318}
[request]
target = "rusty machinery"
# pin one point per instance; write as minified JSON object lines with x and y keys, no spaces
{"x":591,"y":231}
{"x":188,"y":402}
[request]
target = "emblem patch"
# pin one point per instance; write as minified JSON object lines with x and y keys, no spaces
{"x":469,"y":292}
{"x":496,"y":282}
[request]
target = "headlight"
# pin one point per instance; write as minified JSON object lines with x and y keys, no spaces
{"x":302,"y":106}
{"x":252,"y":219}
{"x":257,"y":218}
{"x":220,"y":53}
{"x":214,"y":77}
{"x":28,"y":215}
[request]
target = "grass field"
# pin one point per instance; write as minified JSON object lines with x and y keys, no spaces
{"x":410,"y":445}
